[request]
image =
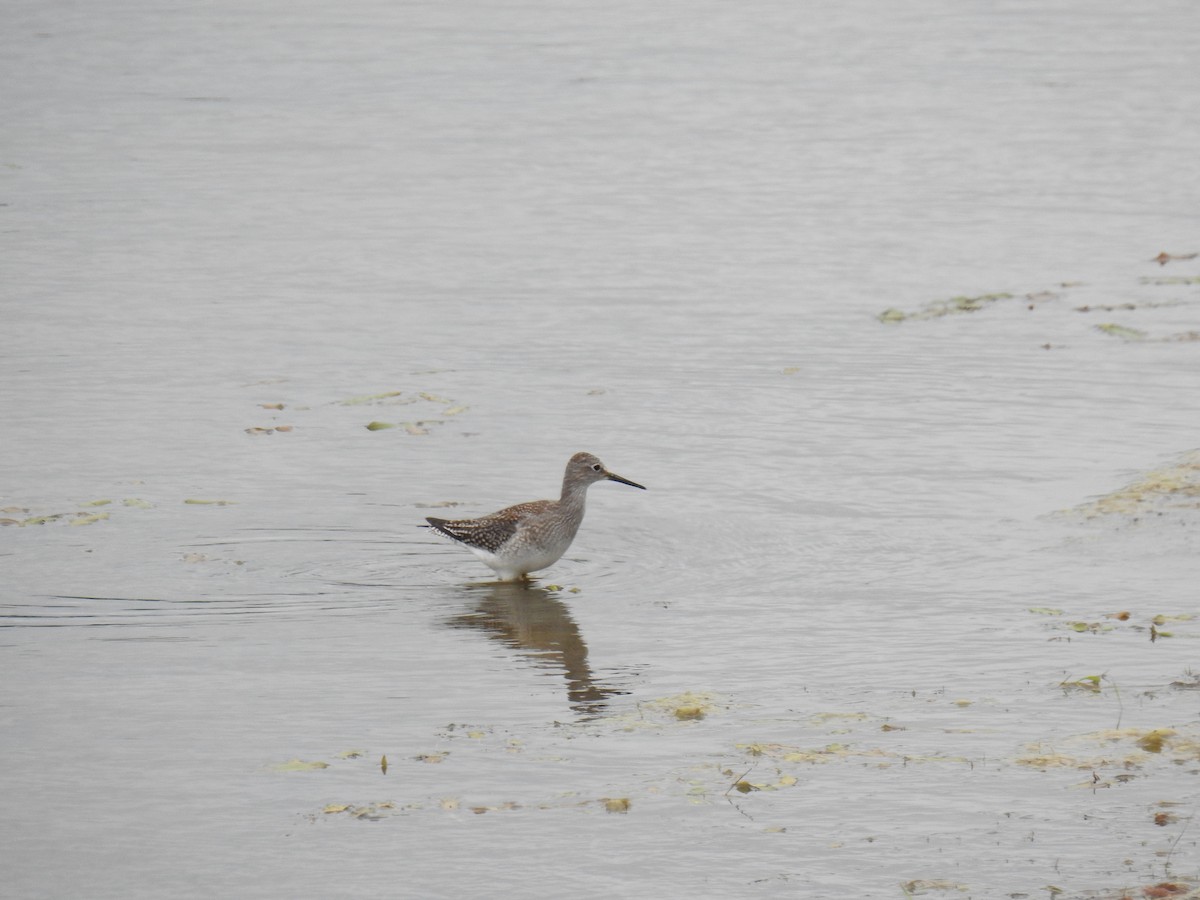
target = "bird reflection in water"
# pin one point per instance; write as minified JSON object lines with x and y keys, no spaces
{"x":530,"y":619}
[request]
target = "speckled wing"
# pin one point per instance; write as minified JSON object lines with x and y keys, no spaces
{"x":488,"y":533}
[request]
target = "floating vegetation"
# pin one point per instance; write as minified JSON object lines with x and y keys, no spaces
{"x":1087,"y":627}
{"x":1161,"y":619}
{"x":447,"y":408}
{"x":826,"y":718}
{"x":1122,"y":332}
{"x":1176,"y":485}
{"x":85,"y":519}
{"x":666,"y":711}
{"x":838,"y":752}
{"x":1127,"y":307}
{"x":938,"y":308}
{"x":507,"y":805}
{"x":1134,"y":334}
{"x":1163,"y":258}
{"x":1088,"y":683}
{"x":1118,"y":622}
{"x":1152,"y":741}
{"x":1169,"y":890}
{"x":299,"y":765}
{"x":83,"y":516}
{"x":1189,"y":682}
{"x":743,"y":786}
{"x":433,"y":758}
{"x":1170,"y":279}
{"x":414,"y":428}
{"x":1125,"y":750}
{"x":922,"y":886}
{"x":193,"y":501}
{"x":369,"y":812}
{"x":687,"y":706}
{"x":42,"y":520}
{"x":257,"y":429}
{"x":373,"y":399}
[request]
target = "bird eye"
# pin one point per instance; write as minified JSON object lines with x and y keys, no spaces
{"x":596,"y":467}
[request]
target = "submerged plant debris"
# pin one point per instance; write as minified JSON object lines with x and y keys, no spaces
{"x":1163,"y":258}
{"x":299,"y":765}
{"x":1121,"y":331}
{"x":940,"y":308}
{"x":839,"y":751}
{"x":1127,"y":307}
{"x":1171,"y":279}
{"x":1117,"y":754}
{"x":82,"y":516}
{"x":1034,"y":299}
{"x":382,"y":809}
{"x":1120,"y":622}
{"x":1189,"y":682}
{"x":923,"y":886}
{"x":1173,"y":486}
{"x":389,"y":397}
{"x":369,"y":811}
{"x":85,"y":519}
{"x":446,"y":408}
{"x":1089,"y":683}
{"x":1126,"y":333}
{"x":683,"y":707}
{"x":433,"y":758}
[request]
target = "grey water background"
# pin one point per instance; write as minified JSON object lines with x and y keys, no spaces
{"x":661,"y":233}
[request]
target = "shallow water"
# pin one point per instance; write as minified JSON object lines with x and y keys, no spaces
{"x":824,"y":653}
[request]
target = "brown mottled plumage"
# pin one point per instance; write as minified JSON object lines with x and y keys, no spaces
{"x":531,"y":536}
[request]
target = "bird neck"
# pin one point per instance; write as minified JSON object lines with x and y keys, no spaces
{"x":574,"y":494}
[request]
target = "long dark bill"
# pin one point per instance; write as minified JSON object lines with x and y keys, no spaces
{"x":612,"y":477}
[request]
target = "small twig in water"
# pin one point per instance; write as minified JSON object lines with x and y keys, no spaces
{"x":738,"y":780}
{"x":1178,"y":838}
{"x":1120,"y":702}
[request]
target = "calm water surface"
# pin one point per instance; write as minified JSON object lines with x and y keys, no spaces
{"x":859,"y":637}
